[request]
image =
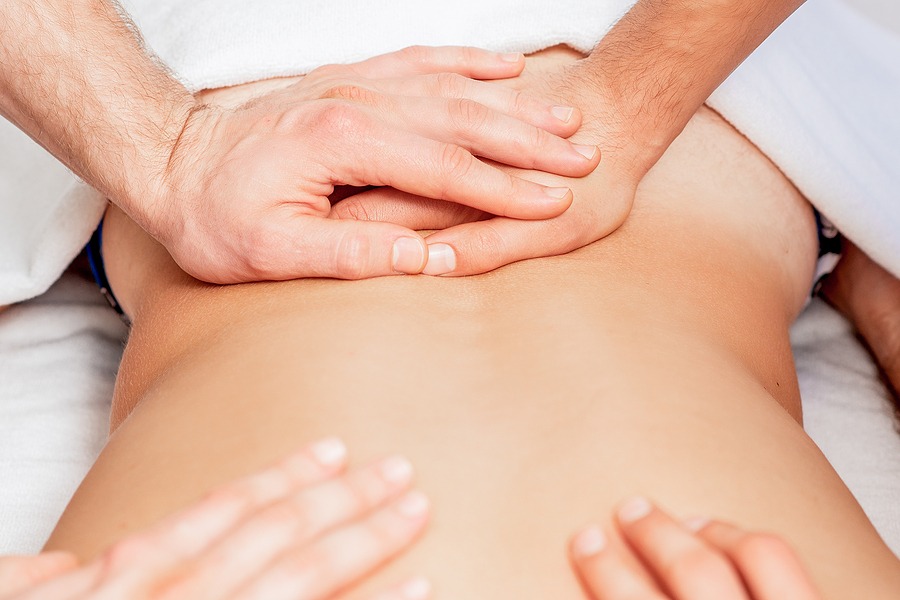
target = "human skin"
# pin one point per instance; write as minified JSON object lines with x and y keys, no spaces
{"x":648,"y":76}
{"x":111,"y":113}
{"x":301,"y":529}
{"x":532,"y":399}
{"x":696,"y":559}
{"x":870,"y":297}
{"x":76,"y":78}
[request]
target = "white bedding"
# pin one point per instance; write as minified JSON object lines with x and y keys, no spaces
{"x":58,"y":355}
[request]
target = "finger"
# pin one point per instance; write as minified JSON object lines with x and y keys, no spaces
{"x":550,"y":116}
{"x":768,"y":565}
{"x":18,"y":573}
{"x":423,"y":60}
{"x":685,"y":565}
{"x":343,"y":556}
{"x":490,"y":134}
{"x":300,"y":245}
{"x":288,"y":525}
{"x":480,"y":247}
{"x":443,"y":171}
{"x":401,"y":208}
{"x":477,"y":128}
{"x":483,"y":246}
{"x":414,"y":589}
{"x":608,"y":571}
{"x":191,"y":532}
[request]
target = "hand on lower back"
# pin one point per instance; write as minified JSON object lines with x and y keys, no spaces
{"x":300,"y":530}
{"x":657,"y":558}
{"x":472,"y":241}
{"x":246,"y":194}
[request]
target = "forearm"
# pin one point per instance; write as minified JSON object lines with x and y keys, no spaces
{"x":665,"y":57}
{"x":76,"y":78}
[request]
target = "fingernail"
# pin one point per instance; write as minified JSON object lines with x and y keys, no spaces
{"x":396,"y":470}
{"x":441,"y":259}
{"x":329,"y":452}
{"x":511,"y":57}
{"x":413,"y":506}
{"x":634,"y":510}
{"x":409,"y":255}
{"x":590,"y":542}
{"x":557,"y":193}
{"x":695,"y":524}
{"x":589,"y":152}
{"x":563,"y":113}
{"x":416,"y":589}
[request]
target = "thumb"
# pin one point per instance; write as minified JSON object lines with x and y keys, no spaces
{"x":312,"y":246}
{"x":18,"y":573}
{"x":409,"y":210}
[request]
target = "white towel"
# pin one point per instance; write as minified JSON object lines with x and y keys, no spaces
{"x":819,"y":97}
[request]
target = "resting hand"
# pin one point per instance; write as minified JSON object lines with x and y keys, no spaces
{"x":299,"y":530}
{"x":246,"y":194}
{"x":656,"y":558}
{"x":472,"y":242}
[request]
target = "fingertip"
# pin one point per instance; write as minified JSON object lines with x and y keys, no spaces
{"x":409,"y":255}
{"x":418,"y":588}
{"x":696,"y":524}
{"x":330,"y":452}
{"x":589,"y":542}
{"x":441,"y":260}
{"x":633,"y":510}
{"x":414,"y":506}
{"x":507,"y":64}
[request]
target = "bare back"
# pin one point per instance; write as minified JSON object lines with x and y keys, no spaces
{"x":531,"y":399}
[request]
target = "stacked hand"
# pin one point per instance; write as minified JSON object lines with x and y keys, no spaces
{"x":472,"y":241}
{"x":246,"y":193}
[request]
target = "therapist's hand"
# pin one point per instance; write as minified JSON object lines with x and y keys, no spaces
{"x":246,"y":193}
{"x":654,"y":557}
{"x":301,"y":530}
{"x":471,"y":241}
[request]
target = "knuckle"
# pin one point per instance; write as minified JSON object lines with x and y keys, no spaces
{"x":126,"y":552}
{"x":352,"y":258}
{"x":416,"y":55}
{"x":696,"y":564}
{"x":350,"y":92}
{"x":359,"y":495}
{"x":326,"y":72}
{"x":451,"y":85}
{"x":258,"y":263}
{"x":468,"y":115}
{"x":456,"y":164}
{"x":519,"y":103}
{"x":759,"y":546}
{"x":286,"y":516}
{"x":336,"y":118}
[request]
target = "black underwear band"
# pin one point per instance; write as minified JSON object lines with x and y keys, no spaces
{"x":95,"y":259}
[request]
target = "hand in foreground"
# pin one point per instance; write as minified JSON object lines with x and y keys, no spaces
{"x":472,"y":241}
{"x":246,"y":193}
{"x":662,"y":559}
{"x":300,"y":530}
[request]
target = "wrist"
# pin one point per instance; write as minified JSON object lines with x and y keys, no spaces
{"x":158,"y":180}
{"x":629,"y":144}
